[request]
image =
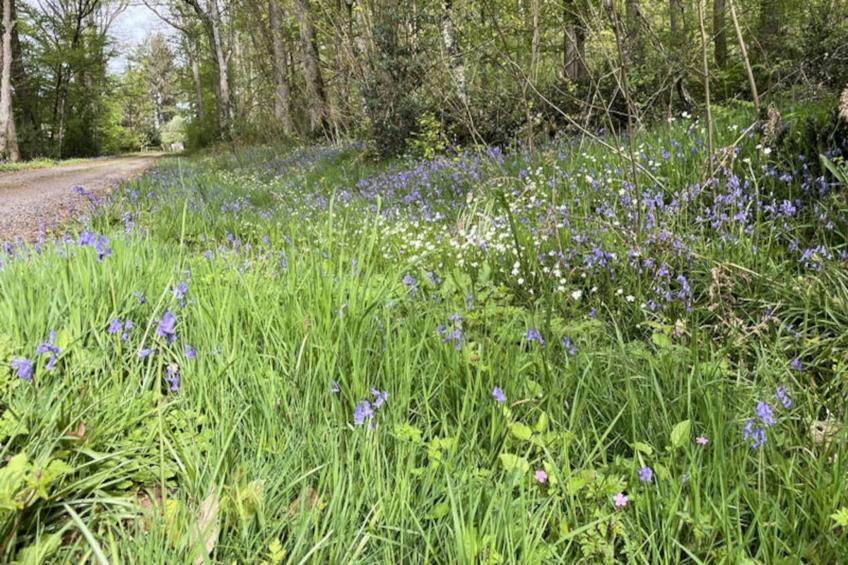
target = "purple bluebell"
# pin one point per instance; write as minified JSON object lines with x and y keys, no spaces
{"x":115,"y":326}
{"x":23,"y":368}
{"x":781,"y":396}
{"x":765,"y":414}
{"x":364,"y":412}
{"x":139,"y":295}
{"x":180,"y":291}
{"x":534,"y":335}
{"x":796,"y":365}
{"x":411,"y":284}
{"x":167,"y":327}
{"x":190,"y":352}
{"x":50,"y":348}
{"x":568,"y":345}
{"x":380,"y":397}
{"x":755,"y":436}
{"x":498,"y":395}
{"x":173,"y":378}
{"x":646,"y":474}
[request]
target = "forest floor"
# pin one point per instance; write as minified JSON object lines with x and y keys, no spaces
{"x":37,"y":200}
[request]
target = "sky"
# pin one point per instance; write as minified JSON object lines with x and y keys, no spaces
{"x":130,"y":28}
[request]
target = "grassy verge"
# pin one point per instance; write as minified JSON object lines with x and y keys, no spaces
{"x":303,"y":356}
{"x":45,"y":163}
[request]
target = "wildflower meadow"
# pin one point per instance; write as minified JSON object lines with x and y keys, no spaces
{"x":303,"y":355}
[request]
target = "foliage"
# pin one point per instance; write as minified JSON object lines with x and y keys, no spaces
{"x":303,"y":355}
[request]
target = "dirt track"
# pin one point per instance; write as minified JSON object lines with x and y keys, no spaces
{"x":42,"y":198}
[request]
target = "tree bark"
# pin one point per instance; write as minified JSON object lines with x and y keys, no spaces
{"x":8,"y":135}
{"x":455,"y":62}
{"x":211,"y":19}
{"x":770,"y":15}
{"x":633,"y":31}
{"x":719,"y":34}
{"x":573,"y":44}
{"x":744,"y":50}
{"x":312,"y":69}
{"x":282,"y":92}
{"x":675,"y":11}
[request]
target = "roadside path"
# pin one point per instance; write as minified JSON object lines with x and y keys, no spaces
{"x":42,"y":198}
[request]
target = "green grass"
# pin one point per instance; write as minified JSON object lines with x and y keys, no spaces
{"x":39,"y":163}
{"x":46,"y":163}
{"x":120,"y":467}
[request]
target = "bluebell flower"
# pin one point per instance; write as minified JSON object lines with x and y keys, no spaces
{"x":781,"y":396}
{"x":764,"y":413}
{"x":23,"y":368}
{"x":363,"y":412}
{"x":646,"y":474}
{"x":498,"y":395}
{"x":50,"y":348}
{"x":180,"y":291}
{"x":173,"y":377}
{"x":115,"y":326}
{"x":167,"y":327}
{"x":190,"y":352}
{"x":379,"y":397}
{"x":411,"y":284}
{"x":534,"y":335}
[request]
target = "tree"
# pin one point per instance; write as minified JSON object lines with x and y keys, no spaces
{"x":315,"y":94}
{"x":282,"y":91}
{"x":720,"y":33}
{"x":573,"y":43}
{"x":210,"y":15}
{"x":8,"y":135}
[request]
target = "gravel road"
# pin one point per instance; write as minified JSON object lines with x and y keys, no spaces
{"x":40,"y":199}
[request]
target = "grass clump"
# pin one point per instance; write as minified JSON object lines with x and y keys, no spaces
{"x":303,"y":356}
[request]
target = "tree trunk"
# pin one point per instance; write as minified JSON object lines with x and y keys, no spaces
{"x":282,"y":92}
{"x":573,"y":44}
{"x":8,"y":136}
{"x":770,"y":15}
{"x":198,"y":89}
{"x":223,"y":84}
{"x":633,"y":31}
{"x":719,"y":34}
{"x":26,"y":99}
{"x":455,"y":63}
{"x":675,"y":12}
{"x":211,"y":19}
{"x":312,"y":69}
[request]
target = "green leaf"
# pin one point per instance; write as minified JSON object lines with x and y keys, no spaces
{"x":578,"y":481}
{"x":534,"y":388}
{"x":661,"y":340}
{"x":520,"y":431}
{"x":12,"y":480}
{"x":542,"y":423}
{"x":276,"y":552}
{"x":512,"y":463}
{"x":10,"y":426}
{"x":407,"y":432}
{"x":643,"y":448}
{"x":40,"y":551}
{"x":841,"y":517}
{"x":680,"y":433}
{"x":439,"y":511}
